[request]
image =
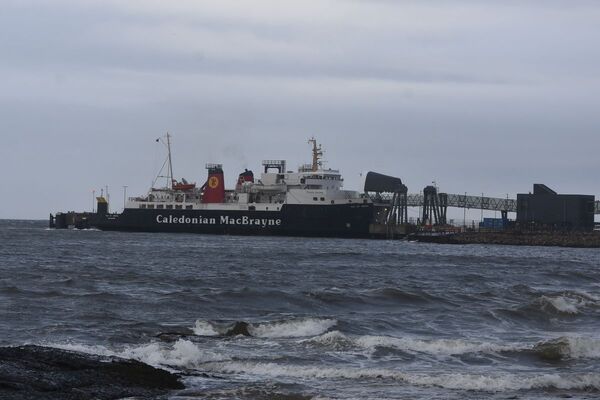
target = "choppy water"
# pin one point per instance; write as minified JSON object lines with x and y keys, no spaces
{"x":328,"y":318}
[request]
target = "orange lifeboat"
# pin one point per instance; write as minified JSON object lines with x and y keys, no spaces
{"x":183,"y":185}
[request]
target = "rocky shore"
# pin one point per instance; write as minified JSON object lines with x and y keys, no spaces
{"x":42,"y":373}
{"x":560,"y":239}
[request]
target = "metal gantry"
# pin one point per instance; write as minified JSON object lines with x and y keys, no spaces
{"x":465,"y":201}
{"x":473,"y":202}
{"x":398,"y":213}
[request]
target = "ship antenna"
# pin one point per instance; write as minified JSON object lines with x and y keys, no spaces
{"x":317,"y":153}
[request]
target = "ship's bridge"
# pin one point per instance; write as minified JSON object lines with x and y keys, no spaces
{"x":308,"y":186}
{"x":327,"y":179}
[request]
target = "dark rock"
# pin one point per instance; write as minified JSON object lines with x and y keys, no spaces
{"x":34,"y":372}
{"x":171,"y":336}
{"x":239,"y":328}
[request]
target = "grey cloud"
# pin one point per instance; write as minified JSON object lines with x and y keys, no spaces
{"x":478,"y":96}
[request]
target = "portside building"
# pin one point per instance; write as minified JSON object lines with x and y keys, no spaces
{"x":546,"y":209}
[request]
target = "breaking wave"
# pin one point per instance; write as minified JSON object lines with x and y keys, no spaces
{"x":293,"y":328}
{"x":583,"y":347}
{"x":205,"y":328}
{"x":568,"y":347}
{"x":301,"y":327}
{"x":338,"y":340}
{"x":562,"y":347}
{"x":569,"y":302}
{"x":185,"y":354}
{"x":181,"y":354}
{"x":486,"y":383}
{"x":565,"y":304}
{"x":562,"y":304}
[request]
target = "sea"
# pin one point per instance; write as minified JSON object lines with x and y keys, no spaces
{"x":322,"y":318}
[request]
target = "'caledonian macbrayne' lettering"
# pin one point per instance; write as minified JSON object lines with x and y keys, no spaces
{"x":223,"y":220}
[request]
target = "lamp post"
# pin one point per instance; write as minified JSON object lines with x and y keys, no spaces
{"x":465,"y":213}
{"x":481,"y":207}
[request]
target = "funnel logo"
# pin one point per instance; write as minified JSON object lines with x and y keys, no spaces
{"x":213,"y":182}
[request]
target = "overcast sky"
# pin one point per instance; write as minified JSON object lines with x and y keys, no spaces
{"x":477,"y":96}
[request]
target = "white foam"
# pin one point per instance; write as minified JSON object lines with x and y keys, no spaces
{"x":292,"y":328}
{"x":439,"y":346}
{"x":87,"y":349}
{"x":574,"y":346}
{"x":586,"y":296}
{"x":276,"y":329}
{"x":581,"y":347}
{"x":181,"y":354}
{"x":568,"y":305}
{"x":508,"y":382}
{"x":205,"y":328}
{"x":333,"y":339}
{"x":337,"y":339}
{"x":486,"y":383}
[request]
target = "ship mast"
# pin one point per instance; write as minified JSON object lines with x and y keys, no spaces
{"x":168,"y":163}
{"x":317,"y":153}
{"x":170,"y":173}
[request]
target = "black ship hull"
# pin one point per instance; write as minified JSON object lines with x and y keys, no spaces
{"x":344,"y":220}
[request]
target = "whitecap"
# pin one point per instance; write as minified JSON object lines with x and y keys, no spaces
{"x":436,"y":347}
{"x":206,"y":328}
{"x":338,"y":340}
{"x":563,"y":304}
{"x":181,"y":354}
{"x":300,"y":327}
{"x":334,"y":339}
{"x":575,"y":347}
{"x":580,"y":347}
{"x":475,"y":382}
{"x":292,"y":328}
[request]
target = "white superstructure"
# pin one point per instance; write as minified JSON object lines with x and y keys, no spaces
{"x":310,"y":185}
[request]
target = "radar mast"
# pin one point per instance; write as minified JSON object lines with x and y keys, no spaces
{"x":317,"y":153}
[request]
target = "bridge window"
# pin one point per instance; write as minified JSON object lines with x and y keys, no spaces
{"x":189,"y":207}
{"x":170,"y":206}
{"x":150,"y":205}
{"x":160,"y":206}
{"x":142,"y":206}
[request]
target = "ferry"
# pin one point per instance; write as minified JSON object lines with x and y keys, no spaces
{"x":308,"y":202}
